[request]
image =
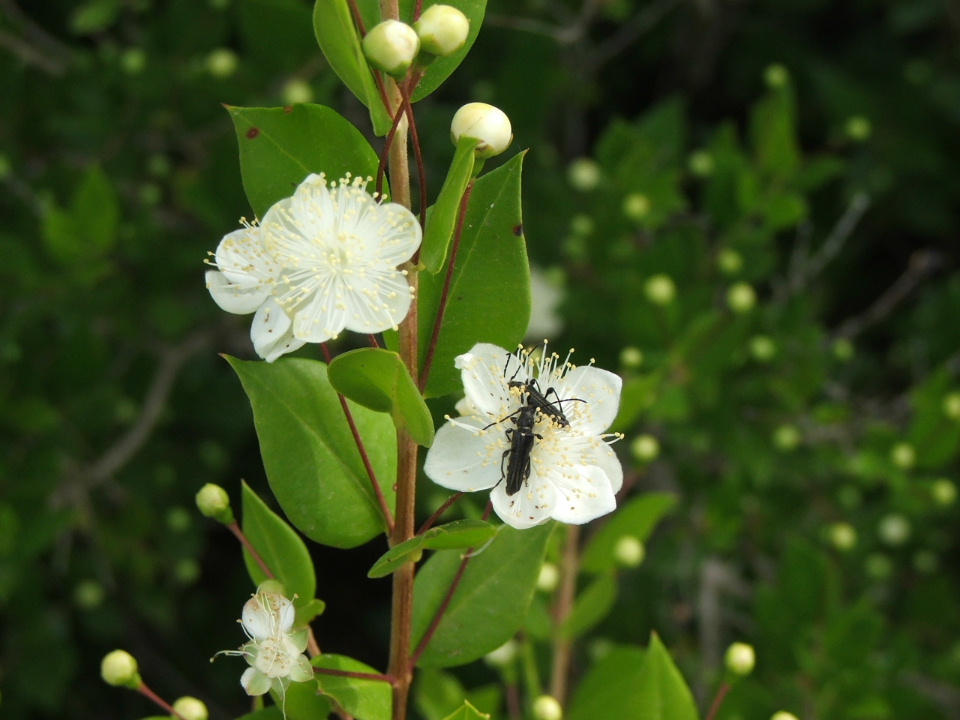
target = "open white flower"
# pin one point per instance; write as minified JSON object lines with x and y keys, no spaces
{"x":338,"y":250}
{"x":274,"y":653}
{"x":244,"y":282}
{"x":572,"y":474}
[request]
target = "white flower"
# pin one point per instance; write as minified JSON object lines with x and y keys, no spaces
{"x":338,"y":250}
{"x":244,"y":283}
{"x":572,"y":475}
{"x":274,"y":653}
{"x":485,"y":123}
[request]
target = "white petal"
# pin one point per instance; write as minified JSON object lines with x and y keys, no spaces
{"x":583,"y":494}
{"x":486,"y":370}
{"x":243,"y":259}
{"x":272,"y":332}
{"x":529,"y":506}
{"x":599,"y":389}
{"x":256,"y":618}
{"x":377,"y":304}
{"x":608,"y":462}
{"x":302,"y":670}
{"x":255,"y":682}
{"x":466,"y":458}
{"x":234,"y":297}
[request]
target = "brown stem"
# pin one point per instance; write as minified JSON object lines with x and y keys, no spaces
{"x":362,"y":449}
{"x":238,"y":533}
{"x":440,"y":511}
{"x":447,"y":281}
{"x":562,"y":646}
{"x":147,"y":692}
{"x":407,"y":90}
{"x":718,"y":701}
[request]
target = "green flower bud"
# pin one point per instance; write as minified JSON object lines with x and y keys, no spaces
{"x":296,"y":90}
{"x":783,"y":715}
{"x":944,"y":492}
{"x":843,"y":349}
{"x":660,"y":289}
{"x":629,"y":552}
{"x":729,"y":261}
{"x":631,"y":357}
{"x":222,"y":63}
{"x":583,"y":174}
{"x":636,"y":206}
{"x":763,"y":348}
{"x":842,"y":536}
{"x":894,"y":529}
{"x":485,"y":123}
{"x":214,"y":503}
{"x":89,"y":594}
{"x":786,"y":437}
{"x":776,"y":76}
{"x":741,"y":297}
{"x":549,"y":578}
{"x":858,"y":128}
{"x":740,"y":659}
{"x":189,"y":708}
{"x":133,"y":60}
{"x":391,"y":47}
{"x":645,"y":448}
{"x":951,"y":406}
{"x":119,"y":668}
{"x":700,"y":163}
{"x":442,"y":30}
{"x":547,"y":707}
{"x":903,"y":455}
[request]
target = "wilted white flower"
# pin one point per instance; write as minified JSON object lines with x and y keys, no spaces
{"x":338,"y":250}
{"x":274,"y":652}
{"x":543,"y":423}
{"x":244,"y":283}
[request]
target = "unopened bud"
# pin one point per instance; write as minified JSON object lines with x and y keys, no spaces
{"x":951,"y":406}
{"x":189,"y":708}
{"x":786,"y":437}
{"x":636,"y":206}
{"x":784,"y":715}
{"x":391,"y":46}
{"x":843,"y":349}
{"x":631,"y":357}
{"x":858,"y":128}
{"x":729,"y":261}
{"x":763,"y":348}
{"x":660,"y":289}
{"x":700,"y":163}
{"x":894,"y":529}
{"x":547,"y":707}
{"x":222,"y":63}
{"x":740,"y":659}
{"x":903,"y":455}
{"x":584,"y":174}
{"x":549,"y":578}
{"x":442,"y":30}
{"x":214,"y":503}
{"x":944,"y":492}
{"x":842,"y":536}
{"x":629,"y":552}
{"x":741,"y":297}
{"x":485,"y":123}
{"x":776,"y":75}
{"x":119,"y":668}
{"x":645,"y":448}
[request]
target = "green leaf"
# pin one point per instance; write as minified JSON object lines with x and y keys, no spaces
{"x":279,"y":147}
{"x":773,"y":133}
{"x":280,"y":548}
{"x":637,"y":518}
{"x":489,"y":298}
{"x":436,"y":693}
{"x":468,"y":712}
{"x":490,"y":602}
{"x":94,"y":16}
{"x":86,"y":230}
{"x":340,"y":42}
{"x":590,"y":607}
{"x":442,"y":220}
{"x":631,"y":683}
{"x":457,"y":534}
{"x":364,"y":699}
{"x":378,"y":379}
{"x":309,"y":453}
{"x":441,"y":68}
{"x":302,"y":701}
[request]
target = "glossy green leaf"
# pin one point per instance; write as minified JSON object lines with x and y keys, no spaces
{"x":311,"y":459}
{"x":340,"y":42}
{"x":636,"y":684}
{"x":467,"y":712}
{"x":490,"y":603}
{"x":436,"y":693}
{"x":302,"y":701}
{"x":280,"y":548}
{"x":441,"y":68}
{"x":364,"y":699}
{"x":442,"y":219}
{"x":489,"y":297}
{"x":279,"y":147}
{"x":591,"y":607}
{"x":637,"y":518}
{"x":457,"y":534}
{"x":378,"y":379}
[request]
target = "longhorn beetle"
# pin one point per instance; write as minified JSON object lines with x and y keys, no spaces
{"x":540,"y":400}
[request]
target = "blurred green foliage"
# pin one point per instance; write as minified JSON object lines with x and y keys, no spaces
{"x":753,"y":208}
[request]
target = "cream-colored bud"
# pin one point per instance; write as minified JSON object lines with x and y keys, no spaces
{"x":584,"y":174}
{"x":741,"y":297}
{"x":660,"y":289}
{"x":645,"y":448}
{"x":546,"y":707}
{"x":485,"y":123}
{"x":784,"y":715}
{"x":549,"y":578}
{"x":629,"y":552}
{"x":119,"y":668}
{"x":189,"y":708}
{"x":391,"y":46}
{"x":740,"y":658}
{"x":214,"y":503}
{"x":442,"y":29}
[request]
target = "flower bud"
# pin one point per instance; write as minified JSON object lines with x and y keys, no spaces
{"x":547,"y":707}
{"x":296,"y":90}
{"x":894,"y":529}
{"x":442,"y":30}
{"x":951,"y":406}
{"x":645,"y":448}
{"x":119,"y":668}
{"x":858,"y":128}
{"x":391,"y":46}
{"x":584,"y":174}
{"x":631,"y":357}
{"x":660,"y":289}
{"x":629,"y":552}
{"x":503,"y":655}
{"x":222,"y":63}
{"x":741,"y":297}
{"x":729,"y":261}
{"x":776,"y":76}
{"x":636,"y":206}
{"x":485,"y":123}
{"x":784,"y":715}
{"x":740,"y":659}
{"x":763,"y":348}
{"x":549,"y":578}
{"x":214,"y":503}
{"x":842,"y":536}
{"x":944,"y":492}
{"x":786,"y":437}
{"x":700,"y":163}
{"x":189,"y":708}
{"x":903,"y":455}
{"x":843,"y":349}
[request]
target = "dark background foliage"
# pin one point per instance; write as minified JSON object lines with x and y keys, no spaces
{"x":814,"y":141}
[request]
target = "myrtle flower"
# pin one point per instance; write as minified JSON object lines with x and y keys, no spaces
{"x":243,"y":283}
{"x":274,"y":653}
{"x":338,"y":249}
{"x":571,"y":475}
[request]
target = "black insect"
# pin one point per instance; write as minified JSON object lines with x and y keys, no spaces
{"x":533,"y":396}
{"x":517,"y":456}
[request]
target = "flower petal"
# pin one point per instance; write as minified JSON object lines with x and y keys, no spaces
{"x":242,"y":258}
{"x":599,"y":389}
{"x":486,"y":371}
{"x":255,"y":682}
{"x":529,"y":506}
{"x":272,"y":332}
{"x":465,"y":457}
{"x":234,"y":297}
{"x":582,"y":494}
{"x":302,"y":670}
